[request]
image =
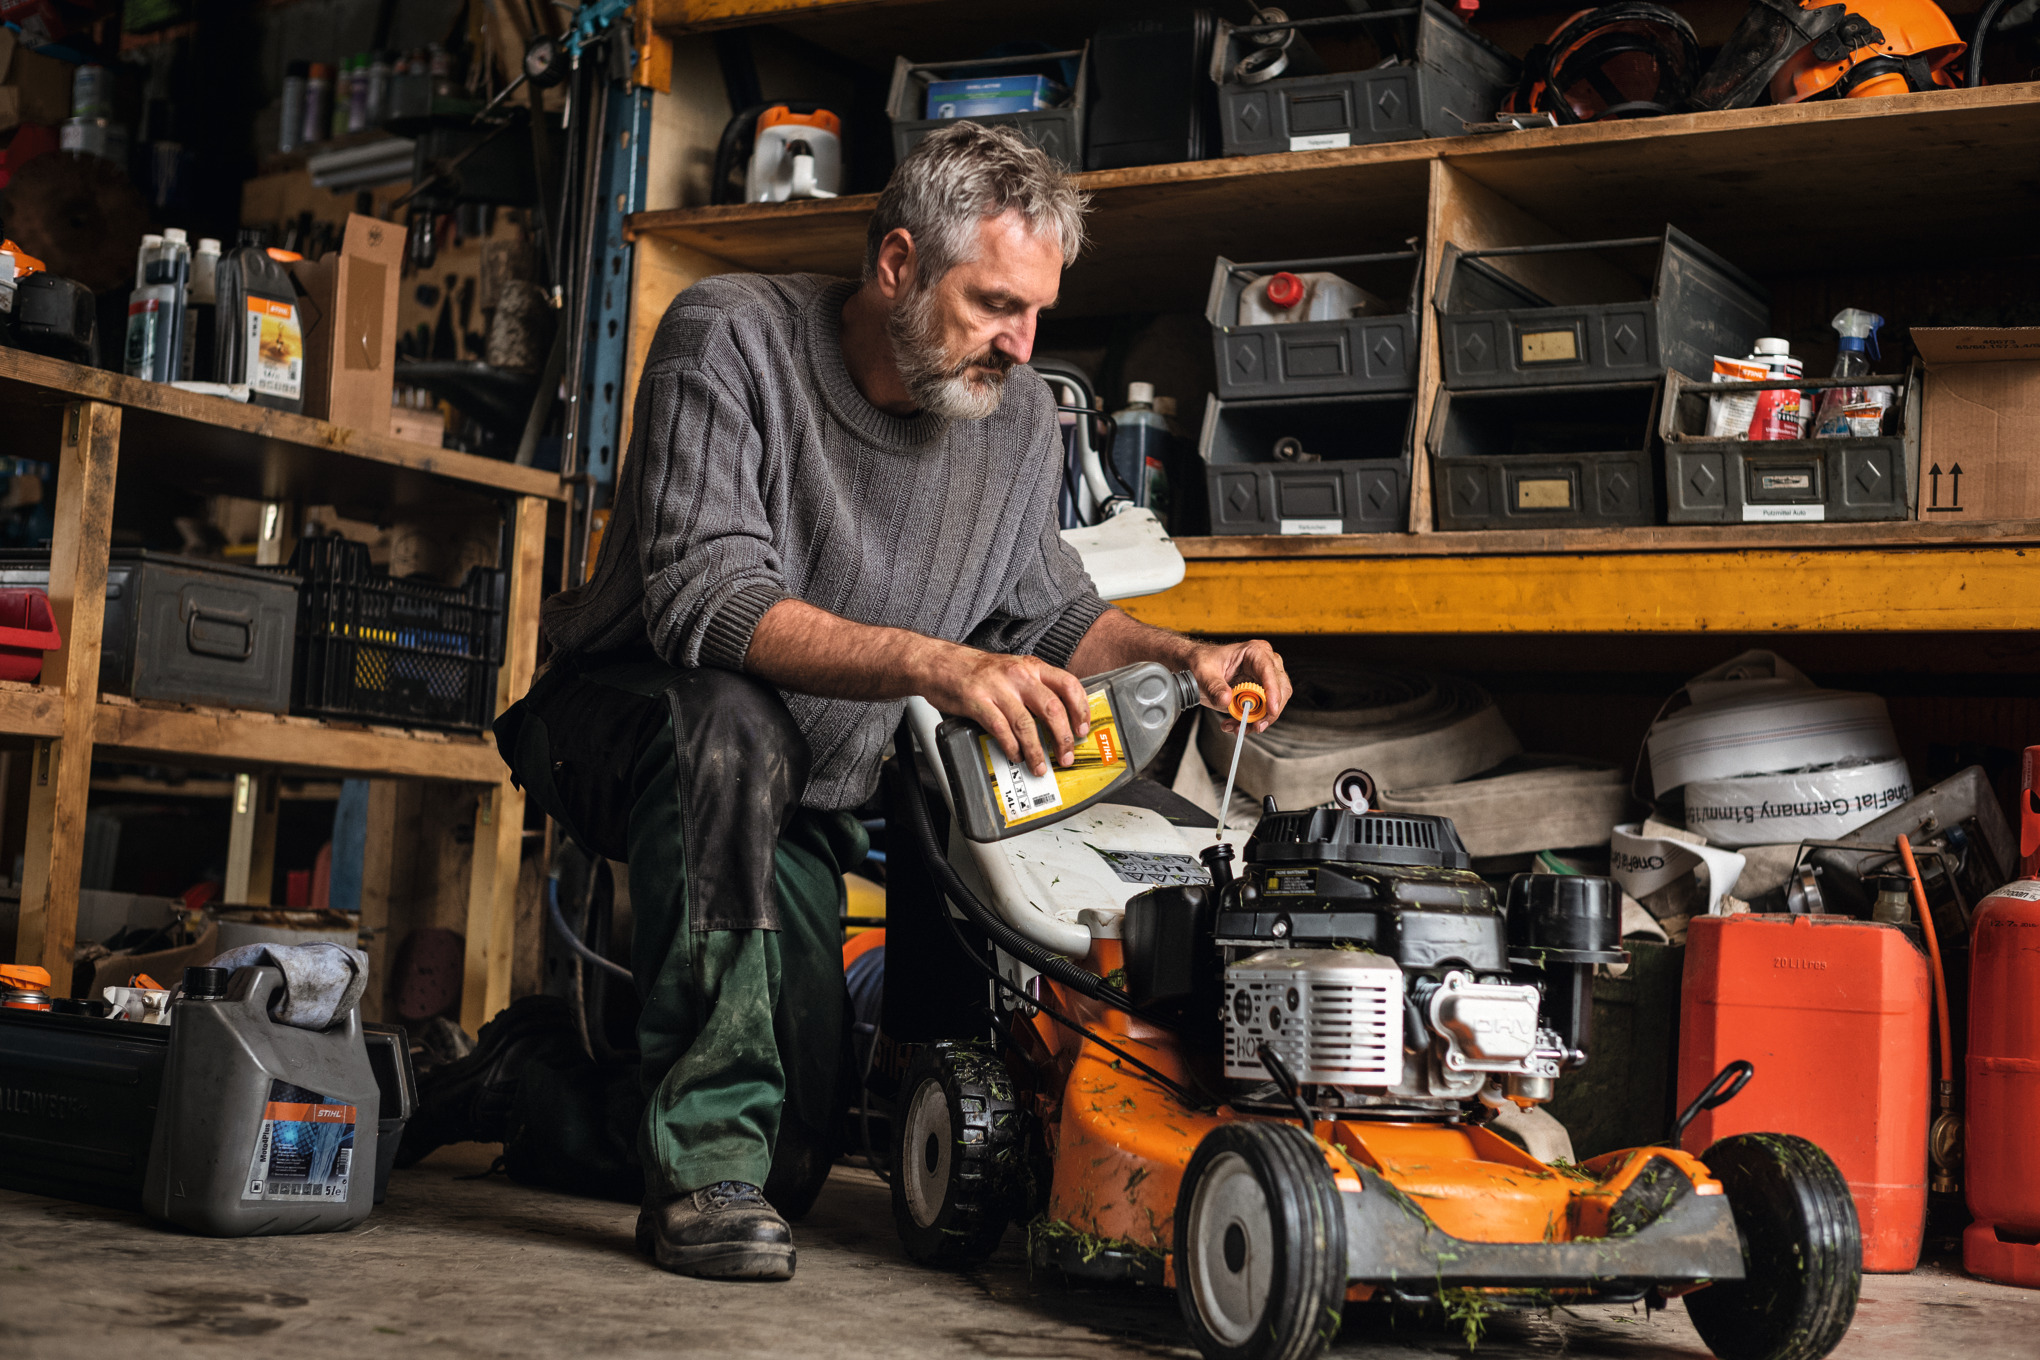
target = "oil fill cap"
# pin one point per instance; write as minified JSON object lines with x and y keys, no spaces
{"x":206,"y":983}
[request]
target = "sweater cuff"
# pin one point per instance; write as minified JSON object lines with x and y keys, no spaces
{"x":728,"y":635}
{"x":1059,"y":644}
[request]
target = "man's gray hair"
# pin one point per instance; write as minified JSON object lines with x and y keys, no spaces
{"x":962,"y":174}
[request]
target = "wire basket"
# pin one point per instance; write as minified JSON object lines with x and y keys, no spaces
{"x":406,"y":651}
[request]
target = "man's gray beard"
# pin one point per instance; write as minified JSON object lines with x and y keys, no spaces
{"x":938,"y":385}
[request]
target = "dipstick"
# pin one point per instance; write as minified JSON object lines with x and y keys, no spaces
{"x":1247,"y":699}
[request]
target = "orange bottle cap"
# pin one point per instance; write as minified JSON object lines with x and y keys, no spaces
{"x":1245,"y":694}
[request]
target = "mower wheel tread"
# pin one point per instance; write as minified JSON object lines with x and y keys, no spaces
{"x":985,"y":1184}
{"x":1802,"y":1252}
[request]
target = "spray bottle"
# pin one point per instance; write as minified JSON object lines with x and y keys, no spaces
{"x":1133,"y":710}
{"x":1857,"y":412}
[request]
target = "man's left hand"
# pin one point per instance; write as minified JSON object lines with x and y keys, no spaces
{"x":1218,"y":669}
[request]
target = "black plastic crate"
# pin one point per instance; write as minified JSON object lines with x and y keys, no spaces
{"x":1059,"y":131}
{"x":1323,"y":465}
{"x":1546,"y":457}
{"x":1376,"y":353}
{"x":1447,"y":77}
{"x":80,"y":1106}
{"x":1607,"y":311}
{"x":1792,"y":481}
{"x":411,"y":652}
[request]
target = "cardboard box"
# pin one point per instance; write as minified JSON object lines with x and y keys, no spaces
{"x":33,"y":88}
{"x":1980,"y":431}
{"x":349,"y":313}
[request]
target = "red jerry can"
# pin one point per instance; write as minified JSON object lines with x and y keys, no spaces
{"x":1834,"y":1015}
{"x":2002,"y":1131}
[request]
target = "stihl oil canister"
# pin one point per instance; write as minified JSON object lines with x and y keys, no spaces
{"x":263,"y":1128}
{"x":2002,"y":1136}
{"x":1132,"y":710}
{"x":1834,"y":1014}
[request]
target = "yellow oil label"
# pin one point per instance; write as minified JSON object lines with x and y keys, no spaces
{"x":1024,"y":796}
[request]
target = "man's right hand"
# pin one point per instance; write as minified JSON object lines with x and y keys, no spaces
{"x":1004,"y":695}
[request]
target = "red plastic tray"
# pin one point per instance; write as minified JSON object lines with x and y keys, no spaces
{"x":27,"y":630}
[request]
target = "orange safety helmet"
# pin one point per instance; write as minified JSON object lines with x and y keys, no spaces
{"x":1630,"y":59}
{"x":1882,"y":47}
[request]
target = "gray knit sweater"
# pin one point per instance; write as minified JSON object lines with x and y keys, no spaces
{"x":757,"y":472}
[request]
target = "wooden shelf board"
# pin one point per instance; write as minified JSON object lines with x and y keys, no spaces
{"x":1652,"y":538}
{"x":1745,"y":182}
{"x":210,"y":443}
{"x":1838,"y":590}
{"x":235,"y":739}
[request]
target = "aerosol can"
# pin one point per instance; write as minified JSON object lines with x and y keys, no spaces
{"x":1132,"y":712}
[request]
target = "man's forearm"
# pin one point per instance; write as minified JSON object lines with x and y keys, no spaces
{"x":1118,"y":639}
{"x":811,"y":651}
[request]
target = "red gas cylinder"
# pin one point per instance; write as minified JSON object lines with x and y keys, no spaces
{"x":2002,"y":1137}
{"x":1834,"y":1014}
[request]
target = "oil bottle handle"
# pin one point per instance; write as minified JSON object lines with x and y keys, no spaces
{"x":253,"y":986}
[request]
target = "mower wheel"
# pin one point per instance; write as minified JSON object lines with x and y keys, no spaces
{"x":959,"y":1159}
{"x":1802,"y":1252}
{"x":1260,"y":1245}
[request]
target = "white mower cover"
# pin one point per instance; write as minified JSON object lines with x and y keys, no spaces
{"x":1066,"y":883}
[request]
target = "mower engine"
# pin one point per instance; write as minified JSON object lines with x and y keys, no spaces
{"x":1364,"y":954}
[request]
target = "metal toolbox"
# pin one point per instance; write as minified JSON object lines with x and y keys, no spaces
{"x":1742,"y":481}
{"x":1545,"y":457}
{"x":187,"y":630}
{"x":1318,"y":358}
{"x":1273,"y":95}
{"x":1058,"y":131}
{"x":1323,"y":465}
{"x":1613,"y":322}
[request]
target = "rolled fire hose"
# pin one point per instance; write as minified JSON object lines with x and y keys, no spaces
{"x":1408,"y":729}
{"x":1554,"y":803}
{"x":1763,"y":756}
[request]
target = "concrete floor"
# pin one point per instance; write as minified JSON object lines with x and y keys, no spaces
{"x":467,"y":1267}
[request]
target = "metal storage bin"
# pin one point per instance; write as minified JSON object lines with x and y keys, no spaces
{"x":1614,"y":323}
{"x":186,"y":630}
{"x":1449,"y":77}
{"x":1059,"y":131}
{"x":1545,"y":458}
{"x":81,"y":1105}
{"x":373,"y":647}
{"x":1360,"y":485}
{"x":1318,"y":358}
{"x":1741,"y":481}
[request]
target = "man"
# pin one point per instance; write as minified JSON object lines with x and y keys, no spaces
{"x":837,"y":496}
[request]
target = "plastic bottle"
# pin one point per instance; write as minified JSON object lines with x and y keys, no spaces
{"x":1133,"y":710}
{"x":1857,"y":412}
{"x":343,"y":97}
{"x":290,"y":121}
{"x":263,"y":1127}
{"x":199,"y":312}
{"x":1140,"y":438}
{"x":1284,"y":299}
{"x":357,"y":94}
{"x":145,"y":358}
{"x":260,"y":336}
{"x":1779,"y":413}
{"x":318,"y":103}
{"x":91,"y":93}
{"x":380,"y":69}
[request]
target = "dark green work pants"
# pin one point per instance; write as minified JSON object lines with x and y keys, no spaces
{"x":693,"y":778}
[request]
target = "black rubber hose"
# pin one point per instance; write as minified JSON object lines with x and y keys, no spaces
{"x":1983,"y":26}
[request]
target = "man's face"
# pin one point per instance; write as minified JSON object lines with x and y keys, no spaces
{"x":955,"y":341}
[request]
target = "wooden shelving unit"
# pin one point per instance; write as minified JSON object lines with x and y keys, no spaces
{"x":111,"y":437}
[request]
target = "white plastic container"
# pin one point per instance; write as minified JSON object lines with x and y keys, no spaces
{"x":1284,"y":298}
{"x":796,"y":155}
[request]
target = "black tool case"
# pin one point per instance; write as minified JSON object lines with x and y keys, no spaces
{"x":1794,"y":481}
{"x":1545,"y":458}
{"x":1445,"y":76}
{"x":1059,"y":131}
{"x":1150,"y":100}
{"x":1318,"y":358}
{"x":1599,"y":319}
{"x":78,"y":1102}
{"x":187,"y":630}
{"x":1359,"y":482}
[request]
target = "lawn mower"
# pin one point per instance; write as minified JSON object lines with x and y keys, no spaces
{"x":1268,"y":1070}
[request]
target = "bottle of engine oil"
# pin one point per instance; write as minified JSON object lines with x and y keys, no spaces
{"x":1132,"y":710}
{"x":260,"y":336}
{"x":263,"y":1128}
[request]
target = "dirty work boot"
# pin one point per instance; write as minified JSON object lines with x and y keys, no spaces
{"x":724,"y":1231}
